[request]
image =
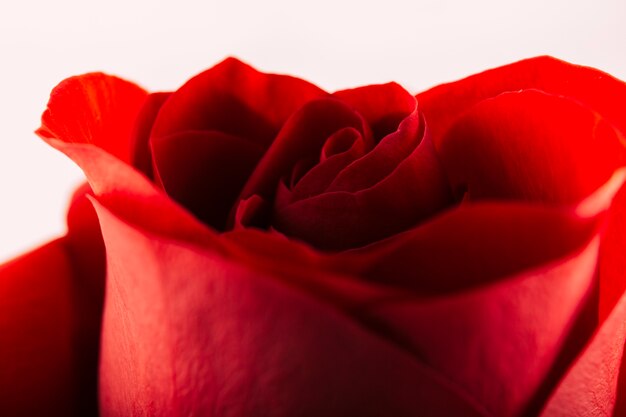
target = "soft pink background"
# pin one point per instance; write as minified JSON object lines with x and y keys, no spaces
{"x":333,"y":43}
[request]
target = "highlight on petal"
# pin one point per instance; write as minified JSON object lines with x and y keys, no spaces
{"x":530,"y":146}
{"x":94,"y":108}
{"x":593,"y":386}
{"x":613,"y":260}
{"x":594,"y":89}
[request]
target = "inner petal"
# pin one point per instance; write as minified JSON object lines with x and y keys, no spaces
{"x":205,"y":171}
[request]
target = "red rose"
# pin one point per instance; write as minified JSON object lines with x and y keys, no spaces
{"x":276,"y":250}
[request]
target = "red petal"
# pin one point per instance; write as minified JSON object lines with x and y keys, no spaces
{"x":474,"y":245}
{"x":530,"y":146}
{"x":234,"y":98}
{"x":498,"y":342}
{"x":142,"y":154}
{"x":341,"y":149}
{"x":132,"y":195}
{"x":50,"y":314}
{"x":37,"y":333}
{"x":94,"y":108}
{"x":596,"y":90}
{"x":613,"y":256}
{"x":383,"y":106}
{"x":86,"y":251}
{"x":205,"y":171}
{"x":414,"y":190}
{"x":302,"y":136}
{"x":188,"y":332}
{"x":395,"y":105}
{"x":590,"y":388}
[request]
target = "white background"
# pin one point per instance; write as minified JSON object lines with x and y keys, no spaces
{"x":333,"y":43}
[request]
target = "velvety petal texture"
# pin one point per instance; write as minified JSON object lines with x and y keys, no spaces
{"x":187,"y":332}
{"x":276,"y":250}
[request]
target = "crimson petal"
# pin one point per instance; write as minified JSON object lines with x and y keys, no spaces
{"x":530,"y":146}
{"x":595,"y":89}
{"x":234,"y":340}
{"x":234,"y":98}
{"x":94,"y":108}
{"x":50,"y":312}
{"x":592,"y":387}
{"x":205,"y":171}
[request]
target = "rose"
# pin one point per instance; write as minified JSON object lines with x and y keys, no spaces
{"x":365,"y":255}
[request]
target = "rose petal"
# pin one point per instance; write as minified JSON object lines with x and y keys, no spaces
{"x":474,"y":245}
{"x":538,"y":255}
{"x":50,"y":313}
{"x":94,"y":108}
{"x":234,"y":98}
{"x":396,"y":105}
{"x":590,"y":388}
{"x":530,"y":146}
{"x":498,"y":342}
{"x":317,"y":179}
{"x":302,"y":136}
{"x":602,"y":93}
{"x":132,"y":195}
{"x":205,"y":171}
{"x":613,"y":258}
{"x":142,"y":154}
{"x":37,"y":330}
{"x":338,"y":220}
{"x":383,"y":106}
{"x":85,"y":250}
{"x":232,"y":340}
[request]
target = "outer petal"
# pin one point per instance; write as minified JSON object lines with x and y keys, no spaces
{"x":498,"y":343}
{"x":595,"y":89}
{"x":613,"y":256}
{"x":132,"y":194}
{"x":475,"y":245}
{"x":188,"y":332}
{"x":86,"y":252}
{"x":590,"y":388}
{"x":94,"y":108}
{"x":36,"y":330}
{"x":50,"y":312}
{"x":531,"y":146}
